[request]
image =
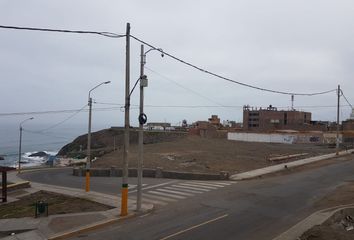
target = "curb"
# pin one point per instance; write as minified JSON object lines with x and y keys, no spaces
{"x":314,"y":219}
{"x":280,"y":167}
{"x":18,"y":185}
{"x":96,"y":225}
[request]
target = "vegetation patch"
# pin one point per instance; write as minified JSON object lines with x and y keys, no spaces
{"x":57,"y":204}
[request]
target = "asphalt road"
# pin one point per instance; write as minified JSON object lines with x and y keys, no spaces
{"x":258,"y":209}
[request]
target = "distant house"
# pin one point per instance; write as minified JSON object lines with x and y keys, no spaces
{"x":159,"y":126}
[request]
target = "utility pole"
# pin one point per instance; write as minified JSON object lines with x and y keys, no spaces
{"x":292,"y":102}
{"x":88,"y":160}
{"x":124,"y":201}
{"x":142,"y":121}
{"x":19,"y":151}
{"x":20,"y":145}
{"x":338,"y":102}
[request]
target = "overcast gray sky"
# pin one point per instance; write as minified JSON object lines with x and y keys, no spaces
{"x":296,"y":46}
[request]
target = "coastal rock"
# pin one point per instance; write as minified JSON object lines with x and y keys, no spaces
{"x":2,"y":158}
{"x":39,"y":154}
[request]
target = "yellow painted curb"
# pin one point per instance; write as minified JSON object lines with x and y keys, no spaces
{"x":14,"y":185}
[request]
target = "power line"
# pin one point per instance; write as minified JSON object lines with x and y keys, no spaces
{"x":105,"y":34}
{"x":151,"y":106}
{"x":45,"y":134}
{"x":181,"y":86}
{"x":63,"y":121}
{"x":346,"y":99}
{"x":226,"y":78}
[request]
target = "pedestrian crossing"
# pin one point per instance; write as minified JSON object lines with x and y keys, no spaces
{"x":163,"y":194}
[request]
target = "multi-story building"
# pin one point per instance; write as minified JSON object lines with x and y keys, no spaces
{"x":270,"y":119}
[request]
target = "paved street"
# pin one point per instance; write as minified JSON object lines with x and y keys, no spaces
{"x":258,"y":209}
{"x":158,"y":191}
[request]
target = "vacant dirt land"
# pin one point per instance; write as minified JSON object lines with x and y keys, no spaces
{"x":196,"y":154}
{"x":335,"y":227}
{"x":57,"y":204}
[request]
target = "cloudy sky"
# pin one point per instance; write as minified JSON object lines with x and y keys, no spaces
{"x":294,"y":46}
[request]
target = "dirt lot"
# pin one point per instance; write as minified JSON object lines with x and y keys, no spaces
{"x":198,"y":154}
{"x":334,"y":228}
{"x":57,"y":204}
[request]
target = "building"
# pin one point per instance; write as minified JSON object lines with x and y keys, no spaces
{"x":348,"y":125}
{"x":214,"y":120}
{"x":157,"y":126}
{"x":271,"y":119}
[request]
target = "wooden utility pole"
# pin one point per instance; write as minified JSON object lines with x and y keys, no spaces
{"x":124,"y":203}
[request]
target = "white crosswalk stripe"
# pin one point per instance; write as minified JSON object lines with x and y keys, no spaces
{"x":181,"y":188}
{"x":208,"y":184}
{"x":176,"y":192}
{"x":166,"y":194}
{"x":169,"y":192}
{"x":192,"y":188}
{"x":197,"y":185}
{"x":158,"y":198}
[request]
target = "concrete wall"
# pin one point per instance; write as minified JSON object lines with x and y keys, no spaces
{"x":152,"y":173}
{"x":293,"y":138}
{"x":261,"y":137}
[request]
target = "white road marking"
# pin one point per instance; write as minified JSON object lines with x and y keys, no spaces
{"x":193,"y":188}
{"x":158,"y":197}
{"x":176,"y":192}
{"x":181,"y":188}
{"x":166,"y":194}
{"x":155,"y":186}
{"x":197,"y":185}
{"x":208,"y":184}
{"x":193,"y":227}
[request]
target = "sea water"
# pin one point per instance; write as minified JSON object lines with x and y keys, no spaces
{"x":34,"y":140}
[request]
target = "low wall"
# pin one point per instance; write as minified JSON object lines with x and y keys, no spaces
{"x":151,"y":173}
{"x":285,"y":138}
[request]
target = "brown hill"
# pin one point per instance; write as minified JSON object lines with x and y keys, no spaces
{"x":104,"y":141}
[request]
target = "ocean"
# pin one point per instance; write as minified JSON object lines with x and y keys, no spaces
{"x":33,"y":141}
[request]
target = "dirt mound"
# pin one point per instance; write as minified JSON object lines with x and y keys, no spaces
{"x":340,"y":227}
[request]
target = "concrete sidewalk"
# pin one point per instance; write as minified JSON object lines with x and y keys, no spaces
{"x":314,"y":219}
{"x":64,"y":225}
{"x":280,"y":167}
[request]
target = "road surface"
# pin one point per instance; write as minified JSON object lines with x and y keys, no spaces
{"x":253,"y":210}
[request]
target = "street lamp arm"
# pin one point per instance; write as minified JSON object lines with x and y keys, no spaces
{"x":26,"y":120}
{"x":97,"y":87}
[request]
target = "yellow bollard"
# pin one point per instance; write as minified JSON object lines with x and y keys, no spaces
{"x":87,"y":180}
{"x":124,"y":206}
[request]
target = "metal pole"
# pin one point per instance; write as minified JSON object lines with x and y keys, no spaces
{"x":4,"y":186}
{"x":338,"y":102}
{"x":19,"y":151}
{"x":124,"y":201}
{"x":88,"y":160}
{"x":141,"y":133}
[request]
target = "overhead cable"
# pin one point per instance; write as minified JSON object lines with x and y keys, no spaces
{"x":226,"y":78}
{"x":105,"y":34}
{"x":63,"y":121}
{"x":346,"y":99}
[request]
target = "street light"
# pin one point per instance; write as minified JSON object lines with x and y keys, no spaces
{"x":19,"y":150}
{"x":88,"y":161}
{"x":142,"y":120}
